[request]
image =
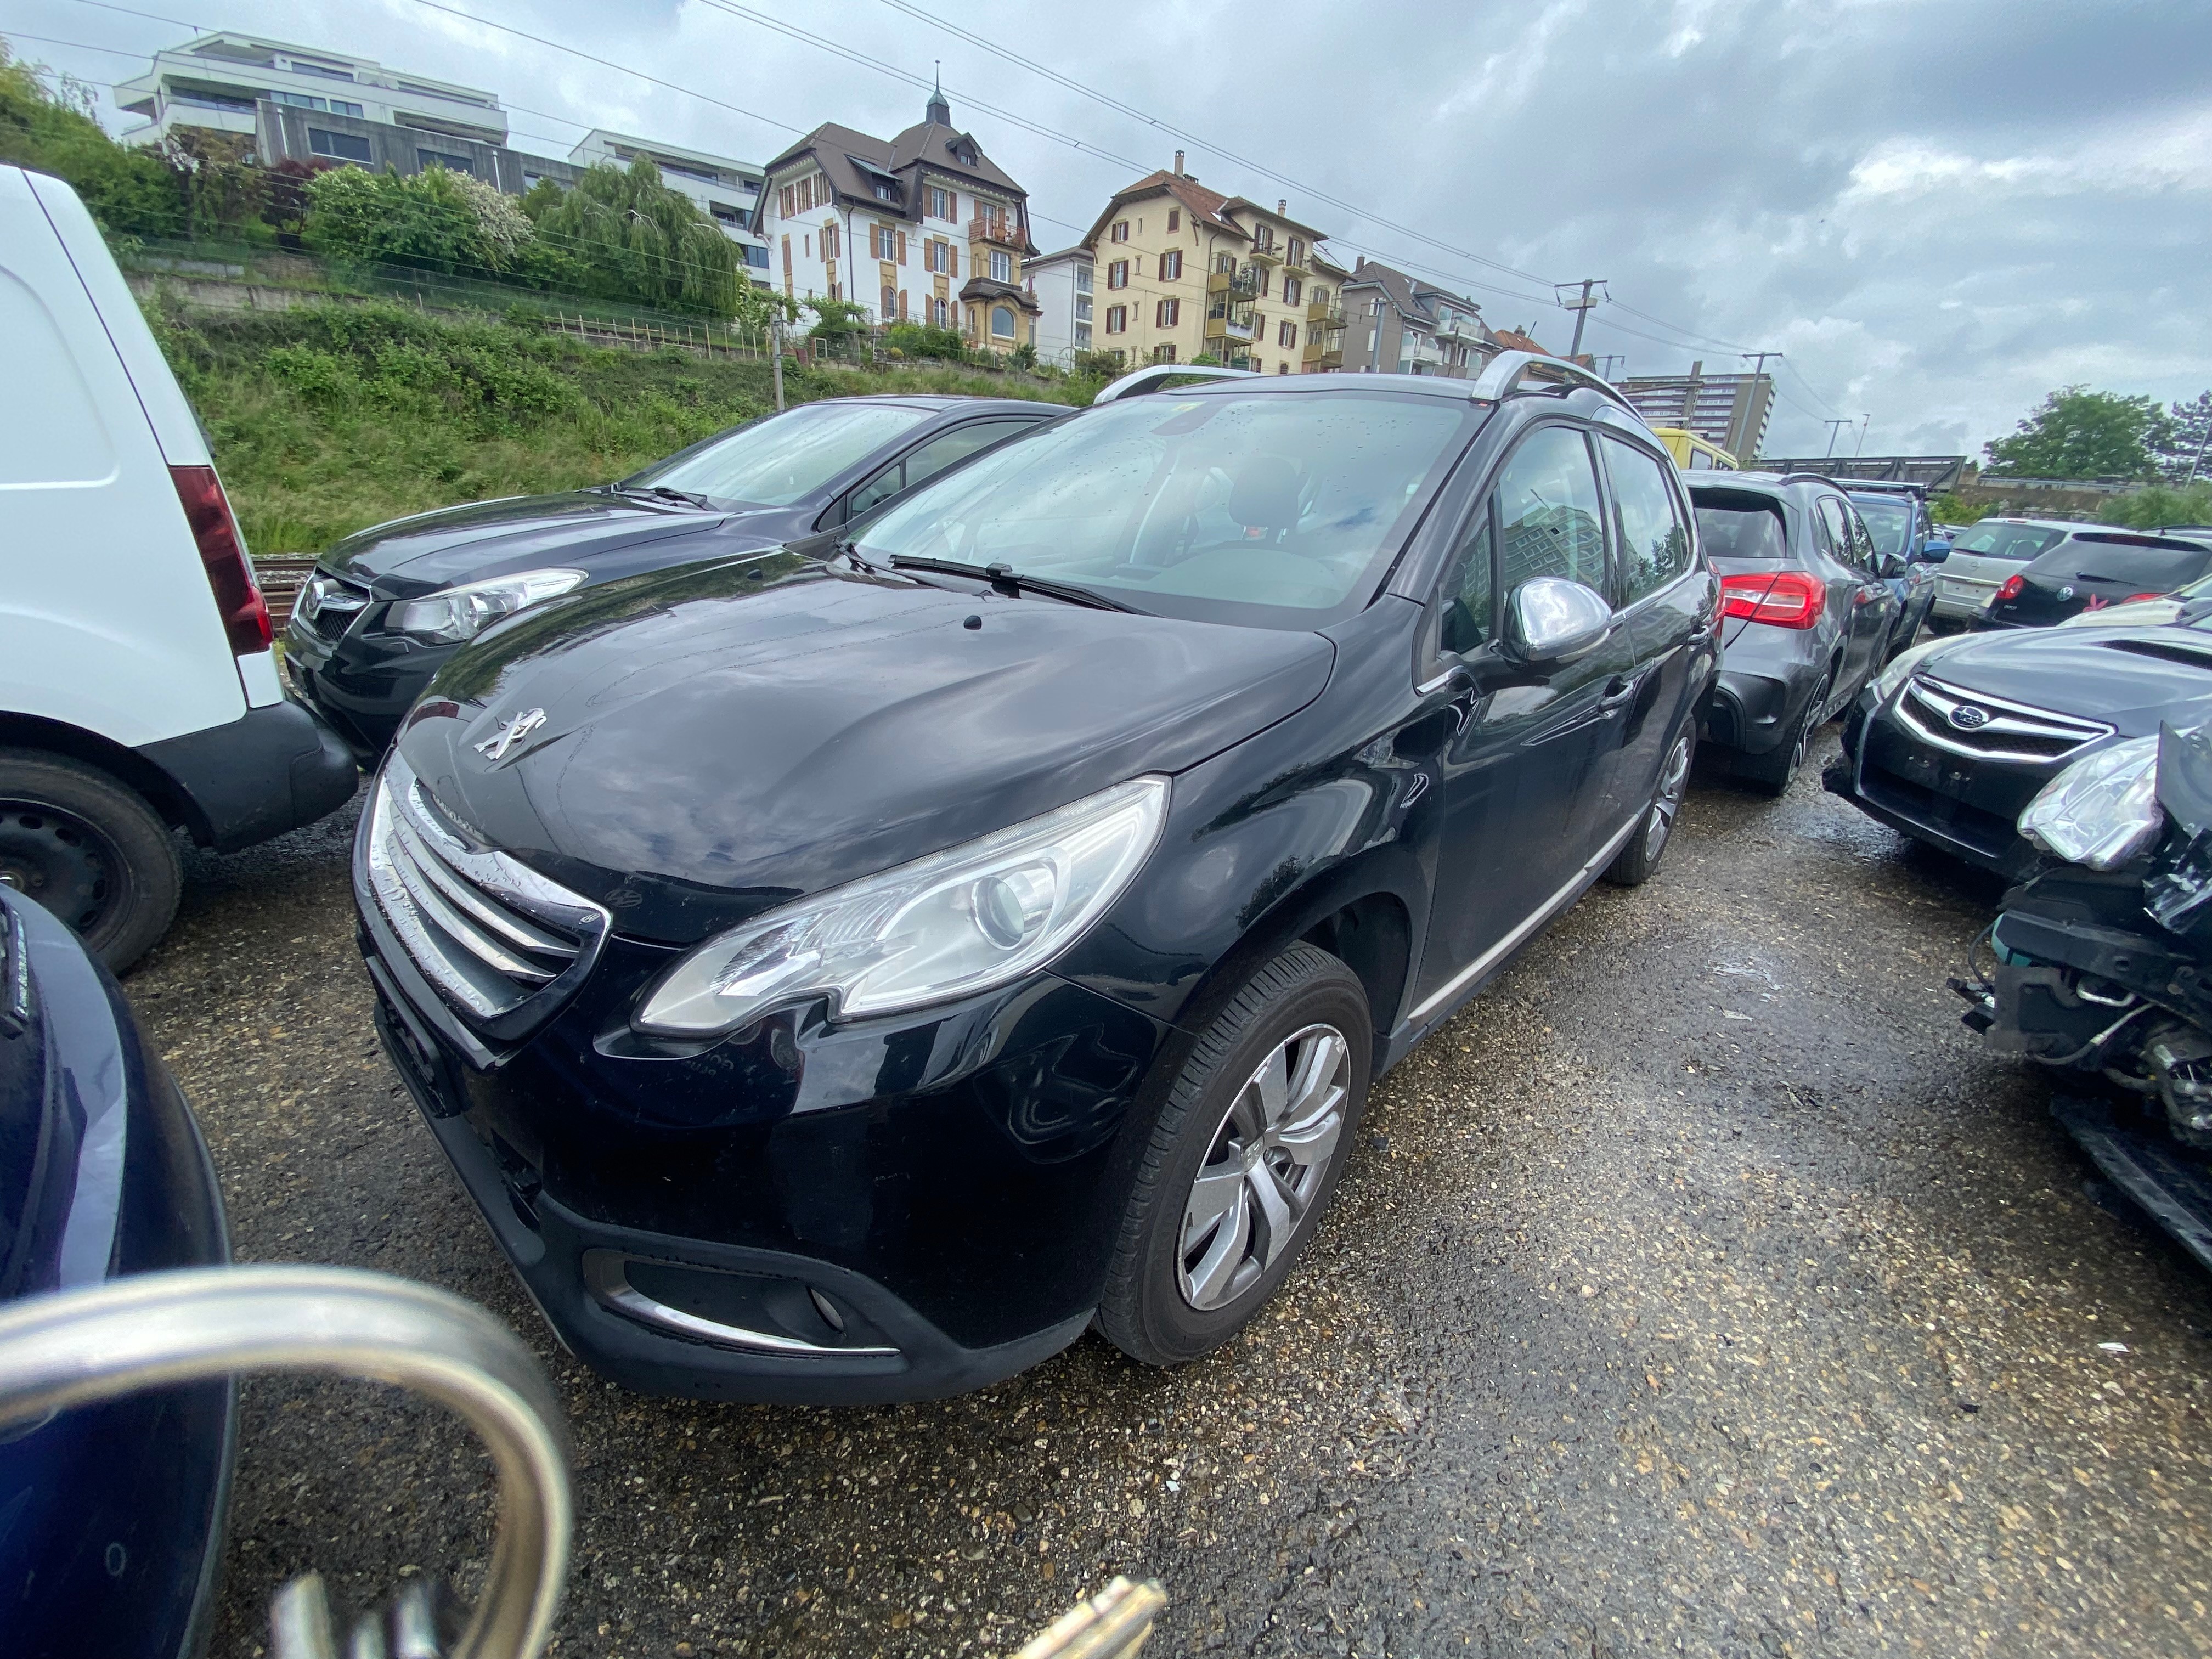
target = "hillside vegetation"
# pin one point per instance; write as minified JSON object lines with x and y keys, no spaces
{"x":330,"y":417}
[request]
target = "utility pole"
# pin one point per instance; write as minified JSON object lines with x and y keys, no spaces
{"x":1829,"y":453}
{"x":1581,"y":309}
{"x":1757,"y":359}
{"x":1864,"y":422}
{"x":1605,"y":361}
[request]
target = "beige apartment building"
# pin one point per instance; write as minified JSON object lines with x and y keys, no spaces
{"x":1182,"y":272}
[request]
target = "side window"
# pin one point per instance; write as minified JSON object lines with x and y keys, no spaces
{"x":1828,"y":524}
{"x":881,"y":488}
{"x":958,"y":445}
{"x":1548,"y":518}
{"x":1863,"y":548}
{"x":1655,"y":542}
{"x":1468,"y":589}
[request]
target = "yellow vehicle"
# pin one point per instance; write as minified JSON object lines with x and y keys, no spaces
{"x":1692,"y":454}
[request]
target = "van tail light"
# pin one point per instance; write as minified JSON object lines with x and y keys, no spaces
{"x":1783,"y":598}
{"x":223,"y":555}
{"x":2013,"y":588}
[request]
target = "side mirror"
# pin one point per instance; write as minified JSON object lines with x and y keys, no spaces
{"x":1934,"y":550}
{"x":1549,"y":619}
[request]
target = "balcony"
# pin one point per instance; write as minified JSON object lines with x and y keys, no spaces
{"x":1225,"y":320}
{"x":1327,"y":352}
{"x":1244,"y":282}
{"x":1268,"y":255}
{"x":1240,"y":360}
{"x":1461,"y":328}
{"x":1004,"y":232}
{"x":1299,"y":263}
{"x":1327,"y":312}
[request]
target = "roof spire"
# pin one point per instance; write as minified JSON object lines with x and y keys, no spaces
{"x":937,"y":109}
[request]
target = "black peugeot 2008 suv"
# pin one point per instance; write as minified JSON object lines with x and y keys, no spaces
{"x":844,"y":973}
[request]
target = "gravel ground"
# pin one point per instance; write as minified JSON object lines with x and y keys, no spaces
{"x":1704,"y":1288}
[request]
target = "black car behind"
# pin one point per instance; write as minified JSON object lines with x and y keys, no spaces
{"x":1806,"y":614}
{"x":846,"y":973}
{"x":1958,"y":736}
{"x":387,"y":606}
{"x":2093,"y":569}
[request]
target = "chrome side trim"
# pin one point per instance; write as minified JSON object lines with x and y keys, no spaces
{"x":1536,"y":918}
{"x":604,"y":1276}
{"x":150,"y":1330}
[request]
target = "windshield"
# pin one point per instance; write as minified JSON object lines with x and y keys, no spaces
{"x":1888,"y":520}
{"x":1274,"y":510}
{"x":783,"y":458}
{"x":1992,"y":538}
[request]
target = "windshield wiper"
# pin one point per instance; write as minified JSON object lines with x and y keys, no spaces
{"x":1007,"y":580}
{"x":688,"y":497}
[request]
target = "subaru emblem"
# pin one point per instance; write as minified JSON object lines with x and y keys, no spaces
{"x":494,"y":747}
{"x":1967,"y":718}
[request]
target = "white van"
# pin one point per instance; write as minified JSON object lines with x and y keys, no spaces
{"x":138,"y":695}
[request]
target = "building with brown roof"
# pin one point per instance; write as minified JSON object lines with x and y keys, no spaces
{"x":925,"y":228}
{"x":1183,"y":272}
{"x":1403,"y":325}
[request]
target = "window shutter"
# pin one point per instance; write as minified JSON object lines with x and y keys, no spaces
{"x":902,"y":247}
{"x":952,"y":253}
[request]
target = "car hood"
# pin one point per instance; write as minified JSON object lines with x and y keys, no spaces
{"x":2131,"y":678}
{"x":409,"y":556}
{"x":720,"y":739}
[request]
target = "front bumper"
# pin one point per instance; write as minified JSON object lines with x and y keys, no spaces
{"x":363,"y":682}
{"x":1968,"y":809}
{"x":890,"y":1210}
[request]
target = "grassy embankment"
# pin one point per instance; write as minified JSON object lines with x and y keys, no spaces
{"x":328,"y":418}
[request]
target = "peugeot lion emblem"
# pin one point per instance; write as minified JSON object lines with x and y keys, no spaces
{"x":1967,"y":718}
{"x":494,"y":747}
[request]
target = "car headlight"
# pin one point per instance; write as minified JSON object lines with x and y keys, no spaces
{"x":1901,"y":667}
{"x":956,"y":922}
{"x":454,"y":614}
{"x":2101,"y":811}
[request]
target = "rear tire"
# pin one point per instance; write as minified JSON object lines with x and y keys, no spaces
{"x":1242,"y":1162}
{"x":1654,"y":830}
{"x":1772,"y":771}
{"x":89,"y":849}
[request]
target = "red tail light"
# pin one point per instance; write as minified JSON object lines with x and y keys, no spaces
{"x":2132,"y":597}
{"x":2013,"y":588}
{"x":222,"y":553}
{"x":1784,"y":598}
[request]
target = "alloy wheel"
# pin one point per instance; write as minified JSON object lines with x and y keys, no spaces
{"x":1674,"y":783}
{"x":1266,"y":1164}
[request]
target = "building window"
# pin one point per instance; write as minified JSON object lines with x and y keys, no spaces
{"x":1171,"y":265}
{"x":1082,"y":336}
{"x":890,"y":303}
{"x":882,"y":242}
{"x":806,"y":194}
{"x":1282,"y":368}
{"x":1083,"y":307}
{"x":940,"y":203}
{"x":1002,"y":265}
{"x":787,"y":200}
{"x":1167,"y":313}
{"x":829,"y":241}
{"x":1165,"y":353}
{"x":885,"y":191}
{"x":1175,"y":220}
{"x":1117,"y":320}
{"x":1121,"y":232}
{"x":940,"y":313}
{"x":338,"y":146}
{"x":438,"y":158}
{"x":1320,"y":296}
{"x":1292,"y":288}
{"x":1002,"y":322}
{"x":1297,"y":256}
{"x":1286,"y":335}
{"x":1117,"y":273}
{"x":1083,"y":279}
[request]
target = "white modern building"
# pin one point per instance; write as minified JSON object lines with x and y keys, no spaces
{"x":215,"y":80}
{"x":723,"y":187}
{"x":1060,"y":283}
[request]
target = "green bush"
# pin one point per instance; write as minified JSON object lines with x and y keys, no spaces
{"x":925,"y":340}
{"x":623,"y":234}
{"x":434,"y":221}
{"x":132,"y":192}
{"x":2162,"y":504}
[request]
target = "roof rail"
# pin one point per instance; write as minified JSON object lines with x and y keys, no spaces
{"x":1504,"y":371}
{"x":1154,"y":377}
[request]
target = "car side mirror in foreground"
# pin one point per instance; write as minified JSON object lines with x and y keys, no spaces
{"x":1549,"y":619}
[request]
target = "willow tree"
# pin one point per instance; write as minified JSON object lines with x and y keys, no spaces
{"x":637,"y":240}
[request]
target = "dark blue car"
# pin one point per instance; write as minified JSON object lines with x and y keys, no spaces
{"x":110,"y":1515}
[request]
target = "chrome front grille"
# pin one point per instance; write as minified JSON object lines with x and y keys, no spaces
{"x":1992,"y":728}
{"x":328,"y":605}
{"x":501,"y":943}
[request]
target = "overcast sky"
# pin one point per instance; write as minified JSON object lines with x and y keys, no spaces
{"x":1938,"y":211}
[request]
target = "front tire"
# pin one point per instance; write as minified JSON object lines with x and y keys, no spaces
{"x":1243,"y":1160}
{"x":1633,"y":865}
{"x":89,"y":849}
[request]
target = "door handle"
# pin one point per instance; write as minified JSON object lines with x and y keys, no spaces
{"x":1620,"y":689}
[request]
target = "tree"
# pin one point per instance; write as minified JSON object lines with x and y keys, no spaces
{"x":2076,"y":433}
{"x":634,"y":238}
{"x":132,"y":192}
{"x":2185,"y":456}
